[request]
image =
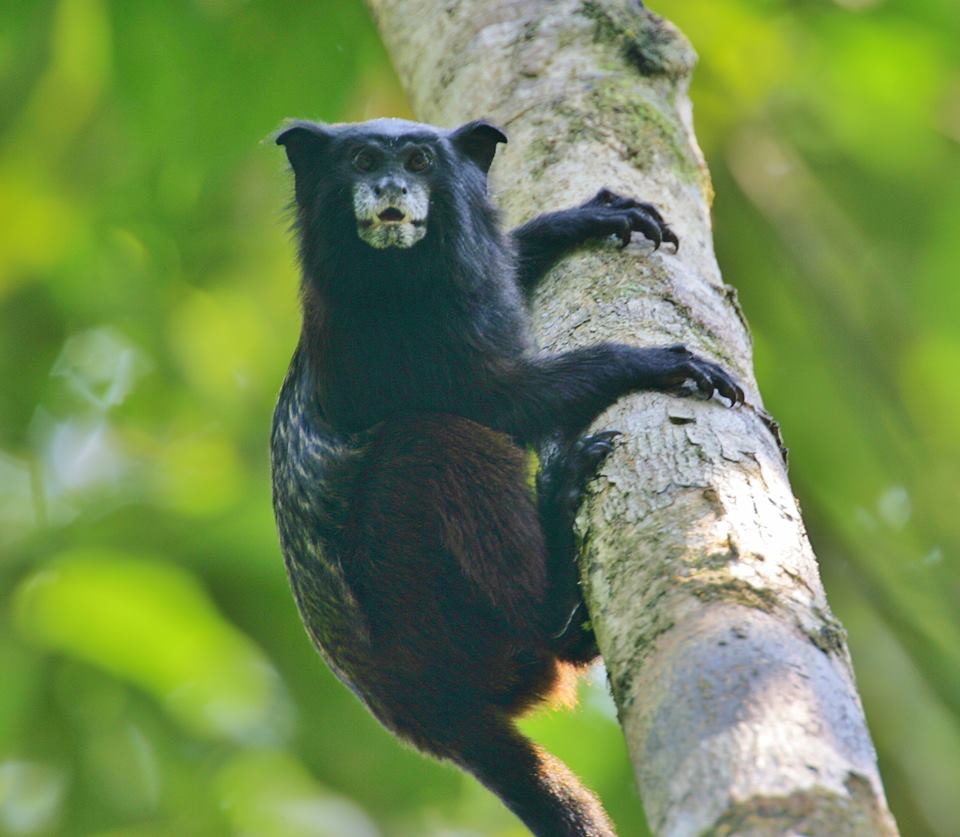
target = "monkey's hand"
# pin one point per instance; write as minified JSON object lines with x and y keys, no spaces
{"x":616,"y":215}
{"x":675,"y":369}
{"x":542,"y":241}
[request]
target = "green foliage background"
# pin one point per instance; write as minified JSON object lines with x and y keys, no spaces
{"x":155,"y":678}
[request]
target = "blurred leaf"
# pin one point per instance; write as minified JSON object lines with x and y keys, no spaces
{"x":151,"y":624}
{"x":220,"y":341}
{"x":893,"y":98}
{"x":30,"y":797}
{"x":22,"y":678}
{"x":198,"y":475}
{"x":269,"y":793}
{"x":71,"y":85}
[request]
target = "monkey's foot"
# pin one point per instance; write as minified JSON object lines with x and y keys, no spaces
{"x":565,"y":470}
{"x":563,"y":480}
{"x":621,"y":216}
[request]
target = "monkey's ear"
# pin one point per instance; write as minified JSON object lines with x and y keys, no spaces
{"x":478,"y":141}
{"x":305,"y":142}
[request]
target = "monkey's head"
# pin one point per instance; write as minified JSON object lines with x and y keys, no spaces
{"x":387,"y":182}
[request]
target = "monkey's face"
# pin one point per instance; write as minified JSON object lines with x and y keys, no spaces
{"x":387,"y":178}
{"x":391,"y":191}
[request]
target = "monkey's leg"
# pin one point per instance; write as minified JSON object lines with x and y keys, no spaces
{"x":565,"y":470}
{"x":445,"y":561}
{"x":542,"y":242}
{"x":458,"y":490}
{"x":564,"y":393}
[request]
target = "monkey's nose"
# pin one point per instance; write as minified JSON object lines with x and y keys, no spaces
{"x":389,"y":187}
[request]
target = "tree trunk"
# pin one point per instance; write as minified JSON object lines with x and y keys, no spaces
{"x":732,"y":678}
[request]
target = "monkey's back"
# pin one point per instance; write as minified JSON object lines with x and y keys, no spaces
{"x":420,"y":578}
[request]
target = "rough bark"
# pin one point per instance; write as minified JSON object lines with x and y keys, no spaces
{"x":732,"y":678}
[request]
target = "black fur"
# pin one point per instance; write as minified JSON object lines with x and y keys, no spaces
{"x":432,"y":582}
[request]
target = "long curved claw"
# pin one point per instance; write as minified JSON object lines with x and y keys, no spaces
{"x":671,"y":237}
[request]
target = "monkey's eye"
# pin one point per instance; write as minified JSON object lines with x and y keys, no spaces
{"x":418,"y":161}
{"x":364,"y":160}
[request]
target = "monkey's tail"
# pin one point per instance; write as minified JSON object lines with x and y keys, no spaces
{"x":539,"y":788}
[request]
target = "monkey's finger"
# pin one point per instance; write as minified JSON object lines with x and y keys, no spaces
{"x":586,"y":454}
{"x":605,"y":436}
{"x":646,"y":224}
{"x":615,"y":201}
{"x":599,"y":445}
{"x":651,"y":210}
{"x":723,"y":382}
{"x":643,"y":206}
{"x":603,"y":198}
{"x":702,"y":380}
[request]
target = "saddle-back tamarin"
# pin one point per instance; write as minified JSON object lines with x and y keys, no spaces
{"x":432,"y":580}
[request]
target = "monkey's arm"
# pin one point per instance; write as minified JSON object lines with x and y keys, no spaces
{"x":565,"y":392}
{"x":542,"y":242}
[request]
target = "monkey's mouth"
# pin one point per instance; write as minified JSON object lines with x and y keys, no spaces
{"x":391,"y":215}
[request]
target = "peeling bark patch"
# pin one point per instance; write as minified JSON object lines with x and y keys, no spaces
{"x":814,"y":811}
{"x":649,"y":43}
